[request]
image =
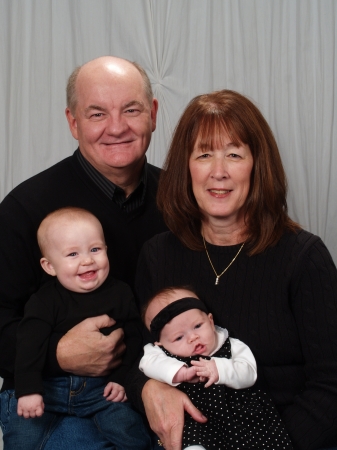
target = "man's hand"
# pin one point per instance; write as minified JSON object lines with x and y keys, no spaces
{"x":206,"y":369}
{"x":114,"y":392}
{"x":30,"y":406}
{"x":165,"y":406}
{"x":85,"y":351}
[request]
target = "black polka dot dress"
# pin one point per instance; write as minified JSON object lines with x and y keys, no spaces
{"x":237,"y":418}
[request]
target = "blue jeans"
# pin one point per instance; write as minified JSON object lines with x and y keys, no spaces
{"x":69,"y":402}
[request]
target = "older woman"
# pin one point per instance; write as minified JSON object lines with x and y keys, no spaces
{"x":272,"y":284}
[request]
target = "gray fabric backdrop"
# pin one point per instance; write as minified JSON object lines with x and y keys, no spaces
{"x":281,"y":53}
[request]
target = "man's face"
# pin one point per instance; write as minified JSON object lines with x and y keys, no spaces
{"x":114,"y":119}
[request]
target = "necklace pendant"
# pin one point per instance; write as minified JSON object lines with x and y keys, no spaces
{"x":217,"y":280}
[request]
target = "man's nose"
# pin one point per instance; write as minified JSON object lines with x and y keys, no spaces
{"x":116,"y":124}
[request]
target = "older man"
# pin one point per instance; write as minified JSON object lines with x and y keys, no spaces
{"x":112,"y":113}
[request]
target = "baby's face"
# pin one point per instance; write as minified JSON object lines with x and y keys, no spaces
{"x":77,"y":255}
{"x":190,"y":333}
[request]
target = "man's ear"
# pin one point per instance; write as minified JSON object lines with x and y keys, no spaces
{"x":154,"y":110}
{"x":47,"y":266}
{"x":72,"y":122}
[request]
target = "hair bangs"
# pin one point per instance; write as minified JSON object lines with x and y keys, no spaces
{"x":213,"y":129}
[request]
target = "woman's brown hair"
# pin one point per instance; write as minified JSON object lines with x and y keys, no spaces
{"x":208,"y":118}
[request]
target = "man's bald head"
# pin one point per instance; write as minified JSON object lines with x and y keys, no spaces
{"x":104,"y":63}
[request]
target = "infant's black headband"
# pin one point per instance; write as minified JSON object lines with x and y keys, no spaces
{"x":172,"y":310}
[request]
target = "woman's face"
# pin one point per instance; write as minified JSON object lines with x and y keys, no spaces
{"x":221,"y":179}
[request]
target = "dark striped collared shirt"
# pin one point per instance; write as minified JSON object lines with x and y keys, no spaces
{"x":114,"y":192}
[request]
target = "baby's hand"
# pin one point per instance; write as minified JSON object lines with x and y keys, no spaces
{"x":30,"y":406}
{"x":186,"y":374}
{"x":114,"y":392}
{"x":206,"y":369}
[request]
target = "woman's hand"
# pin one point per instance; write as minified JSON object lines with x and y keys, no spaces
{"x":165,"y":406}
{"x":85,"y":351}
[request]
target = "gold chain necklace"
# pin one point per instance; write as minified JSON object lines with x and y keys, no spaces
{"x":209,"y":259}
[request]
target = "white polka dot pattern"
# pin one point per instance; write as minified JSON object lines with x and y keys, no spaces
{"x":237,"y":419}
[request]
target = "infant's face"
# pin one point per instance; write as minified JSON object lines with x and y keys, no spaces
{"x":190,"y":333}
{"x":77,"y":254}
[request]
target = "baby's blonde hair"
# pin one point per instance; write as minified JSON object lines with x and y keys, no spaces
{"x":70,"y":213}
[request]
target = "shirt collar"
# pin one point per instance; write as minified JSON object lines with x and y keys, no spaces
{"x":111,"y":190}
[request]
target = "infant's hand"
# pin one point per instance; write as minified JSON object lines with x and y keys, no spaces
{"x":206,"y":369}
{"x":114,"y":392}
{"x":30,"y":406}
{"x":186,"y":374}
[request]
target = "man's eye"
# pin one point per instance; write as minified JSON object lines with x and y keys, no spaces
{"x":132,"y":112}
{"x":97,"y":115}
